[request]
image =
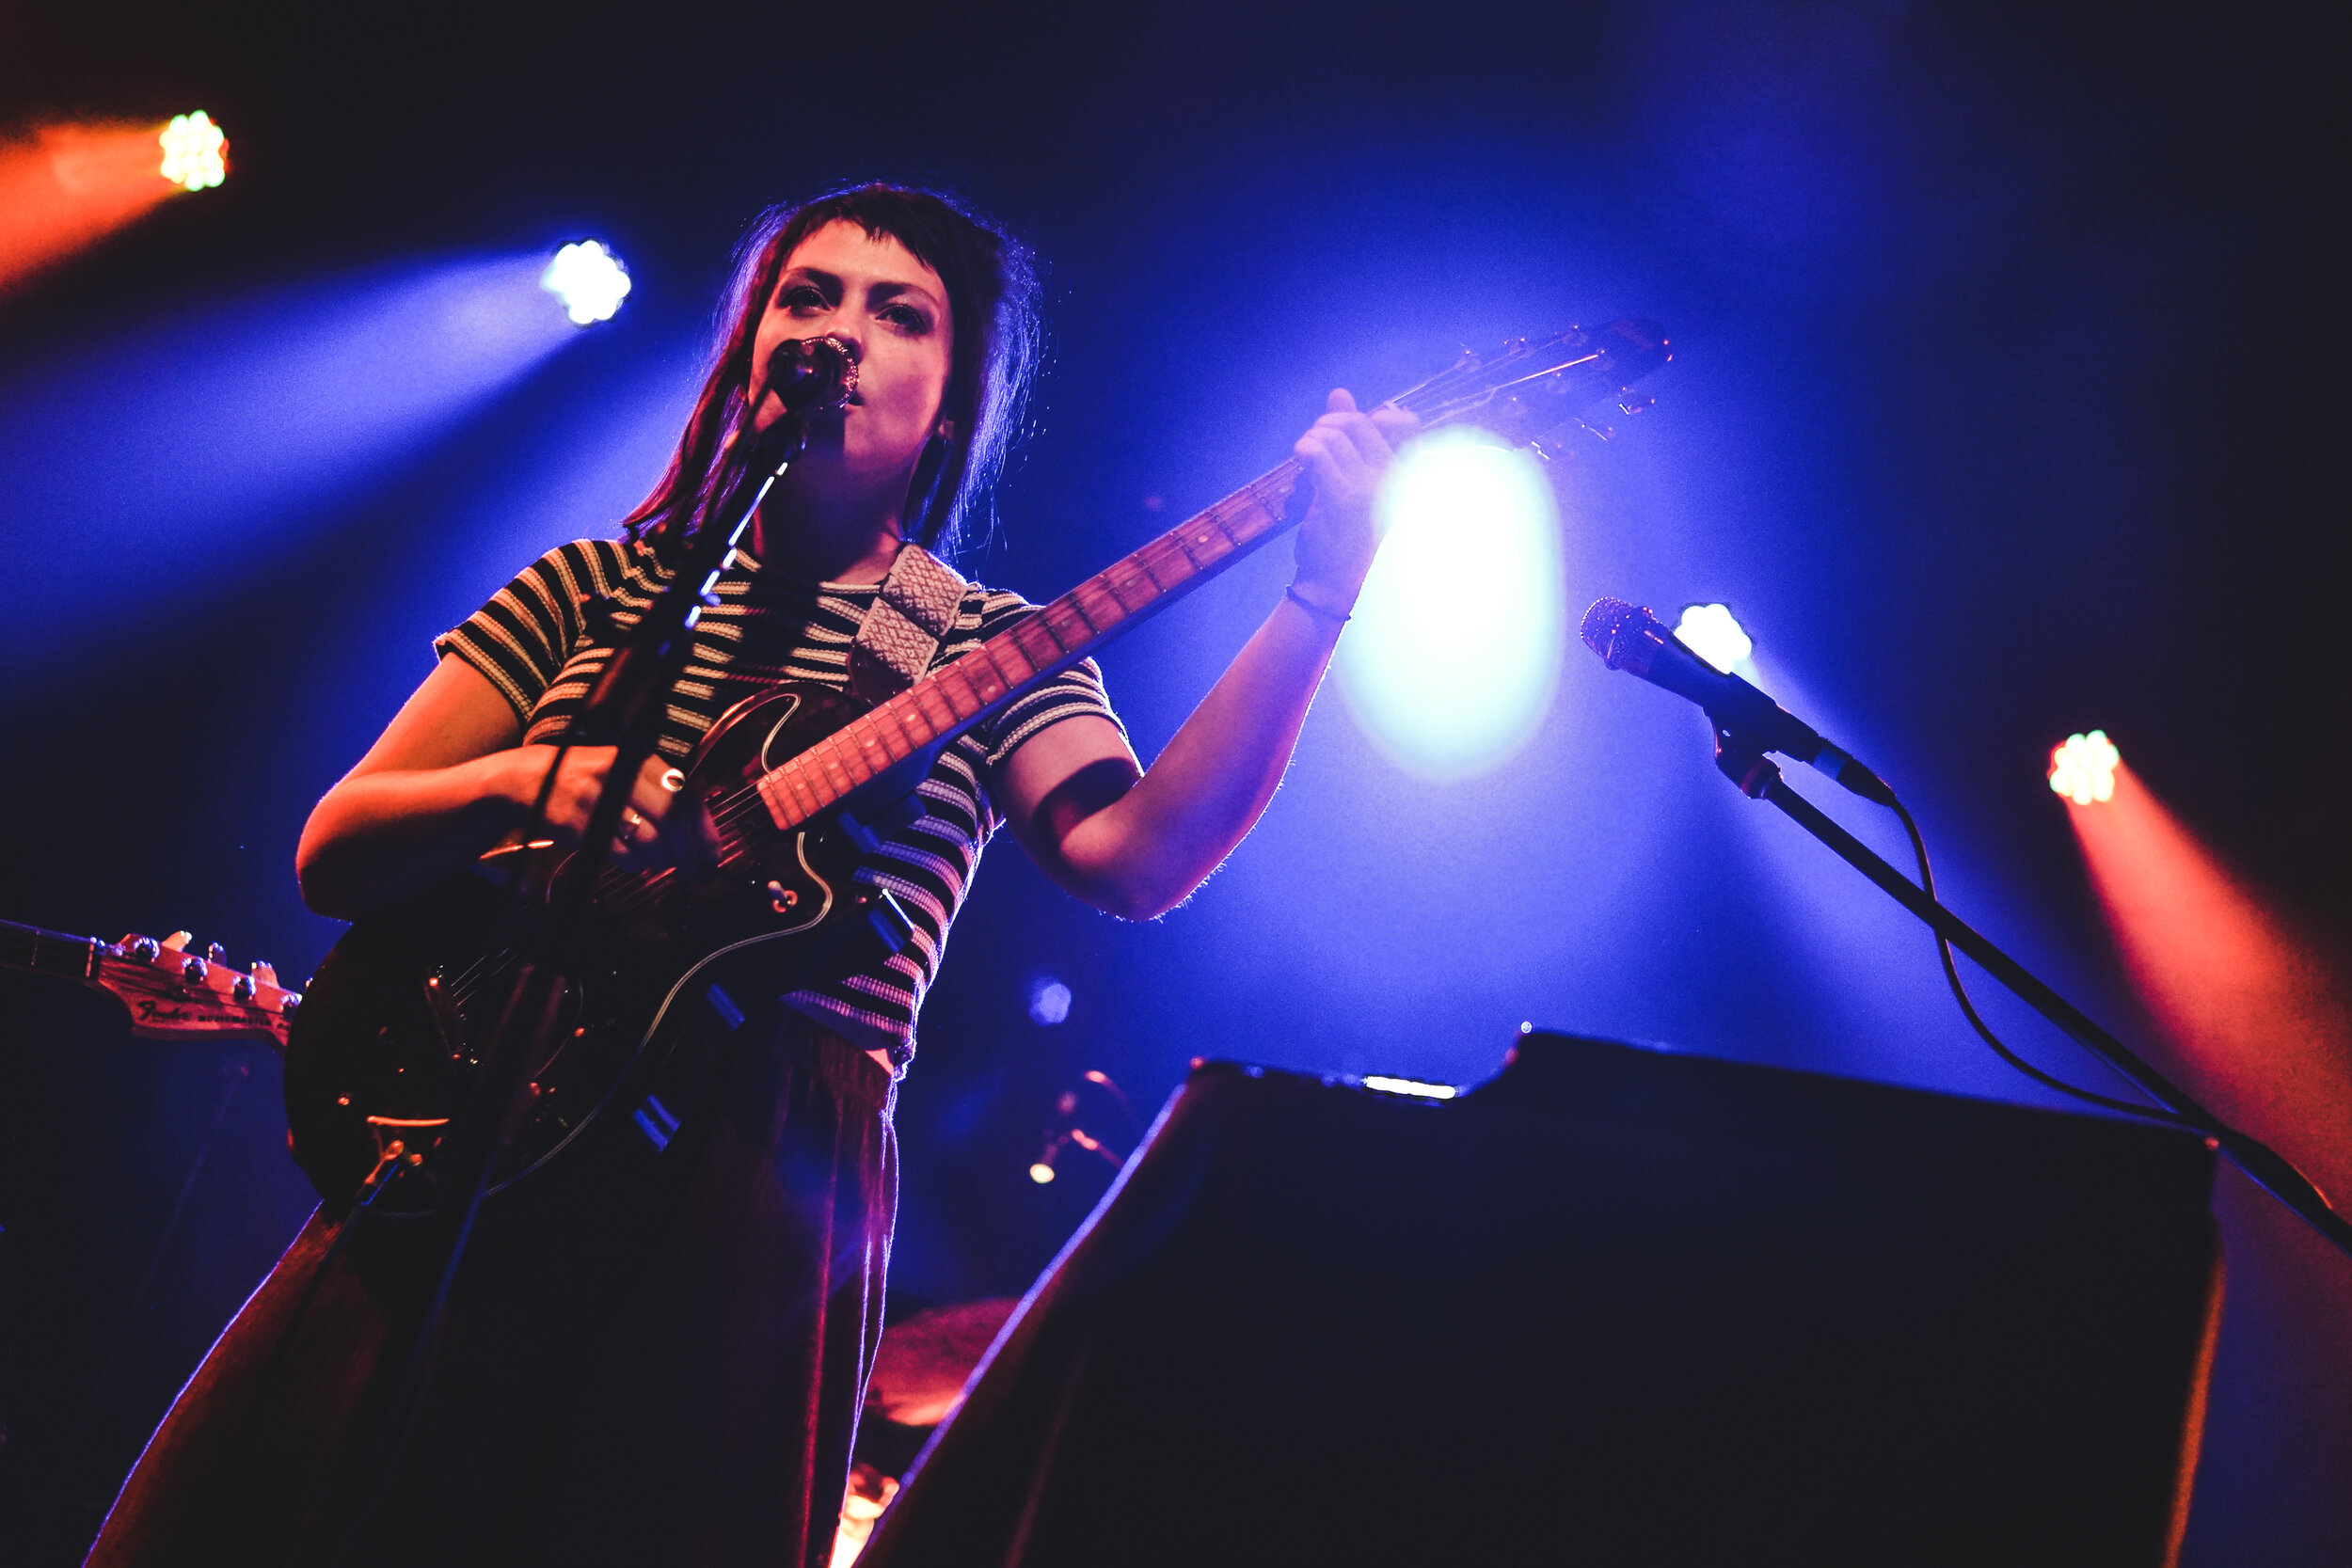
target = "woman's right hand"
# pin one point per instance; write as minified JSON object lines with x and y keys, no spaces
{"x":449,"y":780}
{"x":664,"y":826}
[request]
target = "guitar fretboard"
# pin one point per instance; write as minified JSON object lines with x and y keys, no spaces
{"x":45,"y":952}
{"x":1057,"y":635}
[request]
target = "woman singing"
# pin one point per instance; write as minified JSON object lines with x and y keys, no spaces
{"x":667,"y":1368}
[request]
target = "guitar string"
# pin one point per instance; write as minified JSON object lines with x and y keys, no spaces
{"x":624,"y":890}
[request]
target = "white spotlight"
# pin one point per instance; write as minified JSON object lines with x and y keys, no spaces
{"x":2082,"y":767}
{"x":1411,"y":1087}
{"x":589,"y":279}
{"x":196,"y":153}
{"x":1451,"y":664}
{"x":1710,"y":631}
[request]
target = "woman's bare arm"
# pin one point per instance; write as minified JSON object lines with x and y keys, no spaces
{"x":1137,"y":843}
{"x":444,"y":783}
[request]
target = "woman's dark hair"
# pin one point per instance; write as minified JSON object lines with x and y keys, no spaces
{"x":993,"y":298}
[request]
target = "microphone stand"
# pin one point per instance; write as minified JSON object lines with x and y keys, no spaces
{"x":1742,"y":761}
{"x":622,"y":710}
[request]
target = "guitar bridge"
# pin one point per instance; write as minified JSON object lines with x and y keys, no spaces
{"x":395,"y":1137}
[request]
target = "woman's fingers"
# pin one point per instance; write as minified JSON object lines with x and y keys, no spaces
{"x":685,"y":835}
{"x":1358,"y":447}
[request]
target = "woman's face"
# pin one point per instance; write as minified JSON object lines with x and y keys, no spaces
{"x":892,"y":309}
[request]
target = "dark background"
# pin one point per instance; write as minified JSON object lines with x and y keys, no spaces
{"x":2006,"y":368}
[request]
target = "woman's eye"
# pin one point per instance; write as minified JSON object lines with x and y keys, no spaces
{"x":906,"y":318}
{"x":802,"y":296}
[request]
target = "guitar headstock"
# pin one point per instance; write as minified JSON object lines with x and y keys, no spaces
{"x":1531,"y":389}
{"x":171,"y":992}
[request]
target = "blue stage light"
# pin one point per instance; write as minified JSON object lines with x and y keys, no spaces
{"x":1710,"y":631}
{"x":1455,"y":650}
{"x":1049,"y":1001}
{"x":589,"y":279}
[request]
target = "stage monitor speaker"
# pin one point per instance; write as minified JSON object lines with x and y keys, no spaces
{"x":1617,"y":1306}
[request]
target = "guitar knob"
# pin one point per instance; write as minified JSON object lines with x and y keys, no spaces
{"x":194,"y":971}
{"x":218,"y":954}
{"x":783,"y":897}
{"x":243,"y":990}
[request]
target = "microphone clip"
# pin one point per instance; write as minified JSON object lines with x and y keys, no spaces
{"x":1740,"y":758}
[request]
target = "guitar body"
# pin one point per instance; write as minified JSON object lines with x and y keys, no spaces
{"x":394,"y":1027}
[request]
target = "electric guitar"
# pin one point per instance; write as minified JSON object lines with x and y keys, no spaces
{"x":167,"y":990}
{"x":799,"y":780}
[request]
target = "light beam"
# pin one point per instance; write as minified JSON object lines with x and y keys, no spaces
{"x":2258,"y":1019}
{"x":63,"y":187}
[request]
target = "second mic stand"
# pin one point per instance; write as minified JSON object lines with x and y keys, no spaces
{"x":1743,"y":762}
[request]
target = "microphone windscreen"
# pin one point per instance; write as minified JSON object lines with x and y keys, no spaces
{"x":1606,"y":626}
{"x":812,"y":372}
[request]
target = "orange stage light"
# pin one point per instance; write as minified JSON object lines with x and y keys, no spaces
{"x":66,"y":186}
{"x":2257,"y":1020}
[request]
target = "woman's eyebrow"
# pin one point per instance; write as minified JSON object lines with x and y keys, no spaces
{"x":879,"y":291}
{"x":826,"y":282}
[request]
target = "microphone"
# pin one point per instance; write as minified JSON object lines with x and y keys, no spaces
{"x":1628,"y":637}
{"x":810,"y":374}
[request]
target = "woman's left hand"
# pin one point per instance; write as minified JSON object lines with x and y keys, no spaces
{"x":1347,"y":453}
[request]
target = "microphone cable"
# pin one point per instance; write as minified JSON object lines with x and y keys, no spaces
{"x":1976,"y":1020}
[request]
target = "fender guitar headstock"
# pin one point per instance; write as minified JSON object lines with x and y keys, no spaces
{"x":168,"y":989}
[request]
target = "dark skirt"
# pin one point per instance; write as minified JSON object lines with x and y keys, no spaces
{"x":660,"y":1363}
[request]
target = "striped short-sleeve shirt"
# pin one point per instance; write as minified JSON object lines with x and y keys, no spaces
{"x":542,"y":641}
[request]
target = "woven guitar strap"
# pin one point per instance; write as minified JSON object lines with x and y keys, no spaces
{"x":901,"y":634}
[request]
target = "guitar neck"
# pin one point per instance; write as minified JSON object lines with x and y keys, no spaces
{"x":1531,"y":388}
{"x":1041,"y":645}
{"x":39,"y":952}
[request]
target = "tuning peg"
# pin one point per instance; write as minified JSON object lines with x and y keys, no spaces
{"x":265,"y":971}
{"x":218,"y":954}
{"x":194,"y":971}
{"x":243,"y":990}
{"x":294,"y":1000}
{"x":177,"y":941}
{"x":139,"y":948}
